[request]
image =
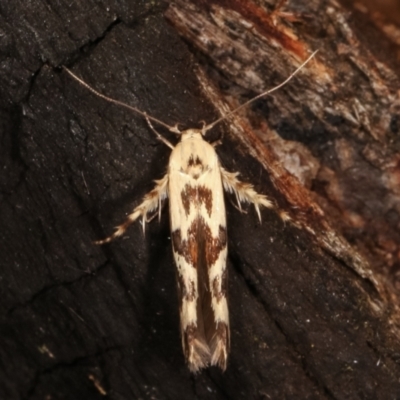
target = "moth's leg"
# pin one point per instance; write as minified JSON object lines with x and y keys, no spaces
{"x":238,"y":206}
{"x":158,"y":213}
{"x":244,"y":192}
{"x":150,"y":202}
{"x":216,"y":143}
{"x":159,"y":136}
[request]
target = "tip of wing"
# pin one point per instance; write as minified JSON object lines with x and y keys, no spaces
{"x":219,"y":346}
{"x":199,"y":355}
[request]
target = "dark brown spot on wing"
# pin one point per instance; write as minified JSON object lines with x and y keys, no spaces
{"x":177,"y":242}
{"x":194,"y":161}
{"x":185,"y":292}
{"x":189,"y":334}
{"x":187,"y":196}
{"x":205,"y":196}
{"x":214,"y":246}
{"x":195,"y":196}
{"x":187,"y":248}
{"x":222,"y":235}
{"x":222,"y":332}
{"x":224,"y":283}
{"x":199,"y":234}
{"x":195,"y":166}
{"x":219,"y":286}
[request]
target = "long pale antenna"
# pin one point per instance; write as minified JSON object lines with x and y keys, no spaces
{"x":175,"y":129}
{"x":269,"y":91}
{"x":120,"y":103}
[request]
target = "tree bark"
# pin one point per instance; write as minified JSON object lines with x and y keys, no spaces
{"x":313,"y":301}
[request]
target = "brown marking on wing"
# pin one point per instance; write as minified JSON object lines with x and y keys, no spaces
{"x":219,"y":286}
{"x":199,"y":232}
{"x":205,"y":196}
{"x":195,"y":167}
{"x":224,"y":283}
{"x":222,"y":332}
{"x":196,"y":196}
{"x":201,"y":250}
{"x":222,"y":235}
{"x":190,"y":332}
{"x":194,"y":161}
{"x":187,"y":248}
{"x":185,"y":292}
{"x":214,"y":246}
{"x":187,"y":195}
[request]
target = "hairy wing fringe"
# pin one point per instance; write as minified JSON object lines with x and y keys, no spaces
{"x":199,"y":355}
{"x":219,"y":346}
{"x":244,"y":192}
{"x":150,"y":203}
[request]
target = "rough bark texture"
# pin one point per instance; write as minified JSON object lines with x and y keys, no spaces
{"x":312,"y":316}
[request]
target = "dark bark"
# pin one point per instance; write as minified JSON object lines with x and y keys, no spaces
{"x":311,"y":315}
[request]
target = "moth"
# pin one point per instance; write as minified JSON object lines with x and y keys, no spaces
{"x":195,"y":183}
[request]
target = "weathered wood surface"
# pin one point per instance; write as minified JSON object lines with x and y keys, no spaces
{"x":311,"y":316}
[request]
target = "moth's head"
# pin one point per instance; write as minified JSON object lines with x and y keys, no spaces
{"x":190,"y":133}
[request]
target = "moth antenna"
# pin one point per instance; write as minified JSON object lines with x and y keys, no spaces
{"x":173,"y":129}
{"x":269,"y":91}
{"x":159,"y":136}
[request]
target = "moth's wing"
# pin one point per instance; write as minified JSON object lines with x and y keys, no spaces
{"x":184,"y":234}
{"x":213,"y":270}
{"x":198,"y":230}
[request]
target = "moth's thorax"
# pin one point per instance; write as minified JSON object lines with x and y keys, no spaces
{"x":193,"y":156}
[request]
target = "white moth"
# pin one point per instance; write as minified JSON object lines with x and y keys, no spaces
{"x":194,"y":184}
